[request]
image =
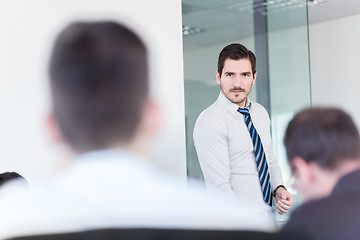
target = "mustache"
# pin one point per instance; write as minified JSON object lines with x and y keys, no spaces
{"x":237,"y":89}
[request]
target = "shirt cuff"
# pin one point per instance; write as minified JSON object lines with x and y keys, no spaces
{"x":274,"y":193}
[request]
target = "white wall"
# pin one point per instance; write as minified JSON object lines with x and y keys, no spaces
{"x":334,"y":56}
{"x":27,"y":30}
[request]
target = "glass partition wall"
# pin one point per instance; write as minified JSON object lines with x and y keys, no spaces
{"x":277,"y":31}
{"x":289,"y":76}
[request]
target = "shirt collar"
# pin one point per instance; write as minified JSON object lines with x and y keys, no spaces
{"x":110,"y":155}
{"x":230,"y":106}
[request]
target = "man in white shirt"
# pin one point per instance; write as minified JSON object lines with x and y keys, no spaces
{"x":103,"y":113}
{"x":235,"y":150}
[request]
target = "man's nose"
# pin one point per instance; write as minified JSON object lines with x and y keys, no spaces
{"x":237,"y":81}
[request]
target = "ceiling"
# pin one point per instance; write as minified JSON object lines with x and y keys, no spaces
{"x":226,"y":20}
{"x":332,"y":10}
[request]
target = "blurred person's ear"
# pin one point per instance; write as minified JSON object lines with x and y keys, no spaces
{"x":148,"y":127}
{"x":53,"y":129}
{"x":304,"y":175}
{"x":151,"y":118}
{"x":313,"y":181}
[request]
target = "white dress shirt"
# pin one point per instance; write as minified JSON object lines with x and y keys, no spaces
{"x":225,"y":151}
{"x":118,"y":189}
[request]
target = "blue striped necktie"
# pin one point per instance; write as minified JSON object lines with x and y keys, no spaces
{"x":260,"y":158}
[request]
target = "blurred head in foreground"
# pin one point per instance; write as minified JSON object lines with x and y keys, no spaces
{"x":322,"y":146}
{"x":99,"y":84}
{"x":7,"y":177}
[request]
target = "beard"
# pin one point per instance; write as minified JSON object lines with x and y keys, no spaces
{"x":238,"y":98}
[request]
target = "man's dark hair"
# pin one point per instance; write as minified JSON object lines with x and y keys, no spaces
{"x":325,"y":136}
{"x":236,"y":51}
{"x":8,"y":176}
{"x":99,"y":83}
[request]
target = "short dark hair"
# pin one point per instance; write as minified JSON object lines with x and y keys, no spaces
{"x":99,"y":83}
{"x":325,"y":136}
{"x":8,"y":176}
{"x":236,"y":51}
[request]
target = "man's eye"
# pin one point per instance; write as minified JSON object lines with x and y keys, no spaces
{"x":229,"y":74}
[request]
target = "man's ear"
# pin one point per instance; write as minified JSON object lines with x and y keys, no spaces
{"x":303,"y":171}
{"x":255,"y":76}
{"x":218,"y":78}
{"x":151,"y":118}
{"x":53,"y":129}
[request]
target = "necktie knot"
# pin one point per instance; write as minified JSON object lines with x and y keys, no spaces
{"x":244,"y":111}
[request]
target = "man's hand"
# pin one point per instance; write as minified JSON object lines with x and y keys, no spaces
{"x":284,"y":200}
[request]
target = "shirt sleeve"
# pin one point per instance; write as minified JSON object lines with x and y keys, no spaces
{"x":210,"y":139}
